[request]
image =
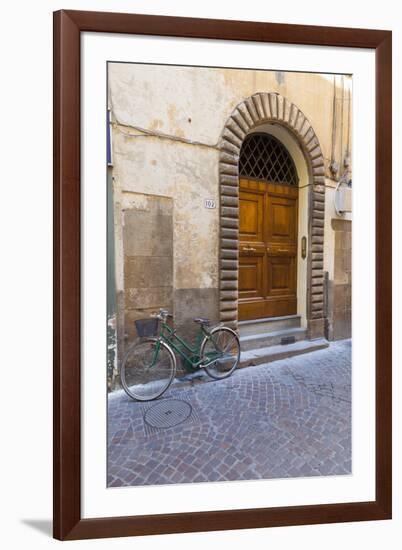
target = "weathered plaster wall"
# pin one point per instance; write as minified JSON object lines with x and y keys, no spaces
{"x":167,"y":123}
{"x":194,"y":103}
{"x":186,"y":175}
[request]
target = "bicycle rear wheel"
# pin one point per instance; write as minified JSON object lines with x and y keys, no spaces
{"x":222,"y":344}
{"x":148,"y":369}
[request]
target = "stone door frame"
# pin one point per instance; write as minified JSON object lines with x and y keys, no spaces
{"x":258,"y":109}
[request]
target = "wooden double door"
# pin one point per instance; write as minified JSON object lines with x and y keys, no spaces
{"x":267,"y":249}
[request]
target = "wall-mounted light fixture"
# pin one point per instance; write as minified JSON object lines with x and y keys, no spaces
{"x":343,"y":197}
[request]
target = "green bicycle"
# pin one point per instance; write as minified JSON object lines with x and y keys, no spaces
{"x":149,"y":365}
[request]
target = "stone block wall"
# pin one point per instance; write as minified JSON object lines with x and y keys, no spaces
{"x":340,"y":289}
{"x":148,"y":259}
{"x":194,"y":302}
{"x":148,"y":247}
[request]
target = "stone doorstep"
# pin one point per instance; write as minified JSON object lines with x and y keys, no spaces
{"x":274,"y":353}
{"x":255,"y":341}
{"x":269,"y":324}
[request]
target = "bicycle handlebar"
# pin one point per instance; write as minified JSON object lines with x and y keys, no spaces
{"x":163,"y":314}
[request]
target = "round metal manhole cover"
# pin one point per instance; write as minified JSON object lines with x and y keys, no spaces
{"x":167,"y":413}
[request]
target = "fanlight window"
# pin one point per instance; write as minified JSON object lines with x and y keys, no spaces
{"x":263,"y":157}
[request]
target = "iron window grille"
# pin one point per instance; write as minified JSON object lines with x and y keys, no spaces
{"x":263,"y":157}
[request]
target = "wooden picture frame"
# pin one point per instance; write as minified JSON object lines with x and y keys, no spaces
{"x":68,"y":25}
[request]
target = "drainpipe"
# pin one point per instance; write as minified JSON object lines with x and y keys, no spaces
{"x":342,"y":113}
{"x":333,"y":165}
{"x":346,"y":161}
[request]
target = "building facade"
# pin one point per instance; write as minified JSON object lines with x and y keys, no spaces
{"x":228,"y":196}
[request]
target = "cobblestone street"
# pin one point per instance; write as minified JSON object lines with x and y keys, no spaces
{"x":289,"y":418}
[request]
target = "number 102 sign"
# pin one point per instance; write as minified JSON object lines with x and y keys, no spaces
{"x":209,"y":203}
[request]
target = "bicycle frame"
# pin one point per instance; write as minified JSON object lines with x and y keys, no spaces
{"x":191,"y":356}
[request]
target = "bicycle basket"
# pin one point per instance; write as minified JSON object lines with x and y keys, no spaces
{"x":146,"y":327}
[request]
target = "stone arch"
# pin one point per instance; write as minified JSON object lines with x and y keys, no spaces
{"x":255,"y":110}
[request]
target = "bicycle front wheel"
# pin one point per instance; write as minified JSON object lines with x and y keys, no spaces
{"x":148,"y":369}
{"x":220,"y":350}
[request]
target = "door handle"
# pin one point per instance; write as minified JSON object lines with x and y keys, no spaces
{"x":249,"y":249}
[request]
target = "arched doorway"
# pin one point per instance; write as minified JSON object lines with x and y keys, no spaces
{"x":271,"y":108}
{"x":268,"y":229}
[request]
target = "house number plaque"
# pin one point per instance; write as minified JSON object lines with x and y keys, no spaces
{"x":210,"y":203}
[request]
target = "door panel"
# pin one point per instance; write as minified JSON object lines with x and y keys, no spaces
{"x":281,"y":221}
{"x":251,"y":277}
{"x":268,"y":250}
{"x":251,"y":216}
{"x":282,"y":215}
{"x":280,"y":275}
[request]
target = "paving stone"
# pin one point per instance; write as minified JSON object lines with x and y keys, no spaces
{"x":289,"y":418}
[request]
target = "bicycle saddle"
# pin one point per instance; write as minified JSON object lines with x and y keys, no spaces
{"x":202,"y":321}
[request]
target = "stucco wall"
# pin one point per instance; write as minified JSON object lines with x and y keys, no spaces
{"x":166,"y":124}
